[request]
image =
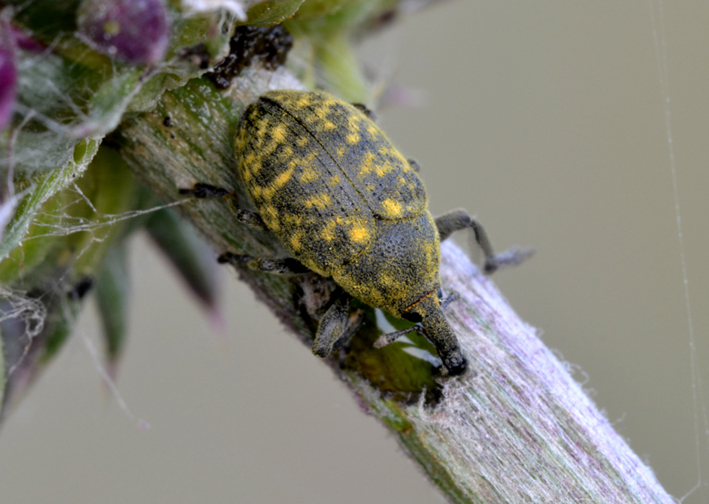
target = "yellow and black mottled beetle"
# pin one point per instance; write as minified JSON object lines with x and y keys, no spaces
{"x":328,"y":182}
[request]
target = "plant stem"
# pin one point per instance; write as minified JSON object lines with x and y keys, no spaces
{"x":517,"y":428}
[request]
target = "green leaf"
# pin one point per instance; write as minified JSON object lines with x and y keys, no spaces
{"x":193,"y":259}
{"x":48,"y":18}
{"x":45,"y":186}
{"x":271,"y":12}
{"x":320,"y":8}
{"x":112,"y":292}
{"x":113,"y":191}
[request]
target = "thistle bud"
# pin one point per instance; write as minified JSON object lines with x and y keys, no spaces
{"x":136,"y":31}
{"x":25,"y":41}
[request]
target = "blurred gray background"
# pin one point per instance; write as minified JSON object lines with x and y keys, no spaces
{"x":543,"y":118}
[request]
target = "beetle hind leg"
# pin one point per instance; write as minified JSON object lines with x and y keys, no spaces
{"x":459,"y":219}
{"x":285,"y":266}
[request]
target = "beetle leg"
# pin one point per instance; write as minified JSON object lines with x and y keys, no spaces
{"x":336,"y":327}
{"x":365,"y":110}
{"x":459,"y":219}
{"x":251,"y":219}
{"x":285,"y":266}
{"x":389,"y":338}
{"x":203,"y":191}
{"x":414,"y":165}
{"x":437,"y":330}
{"x":343,"y":344}
{"x":453,"y":296}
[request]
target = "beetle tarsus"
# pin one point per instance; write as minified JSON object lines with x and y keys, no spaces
{"x":284,"y":266}
{"x":231,"y":258}
{"x":452,"y":297}
{"x":203,"y":191}
{"x":511,"y":257}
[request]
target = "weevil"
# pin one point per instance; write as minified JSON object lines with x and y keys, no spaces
{"x":326,"y":180}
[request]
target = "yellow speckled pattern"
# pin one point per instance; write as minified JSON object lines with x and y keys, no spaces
{"x":400,"y":268}
{"x":359,"y":148}
{"x":333,"y":188}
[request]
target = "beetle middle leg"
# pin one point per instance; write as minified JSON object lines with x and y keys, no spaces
{"x":337,"y":326}
{"x":459,"y":219}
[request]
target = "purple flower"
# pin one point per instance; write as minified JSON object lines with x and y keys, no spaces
{"x":136,"y":31}
{"x":8,"y":74}
{"x":25,"y":42}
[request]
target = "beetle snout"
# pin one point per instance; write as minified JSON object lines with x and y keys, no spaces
{"x":439,"y":332}
{"x":456,"y":365}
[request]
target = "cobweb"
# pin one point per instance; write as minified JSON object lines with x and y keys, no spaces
{"x":61,"y":101}
{"x":28,"y":311}
{"x":701,"y":418}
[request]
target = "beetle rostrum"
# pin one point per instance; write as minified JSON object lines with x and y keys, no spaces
{"x":326,"y":180}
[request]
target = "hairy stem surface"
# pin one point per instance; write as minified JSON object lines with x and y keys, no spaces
{"x":516,"y":429}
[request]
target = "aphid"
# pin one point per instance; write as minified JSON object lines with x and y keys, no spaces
{"x":326,"y":180}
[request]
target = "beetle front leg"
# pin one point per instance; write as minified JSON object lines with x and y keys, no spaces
{"x":336,"y":327}
{"x":285,"y":266}
{"x":204,"y":191}
{"x":389,"y":338}
{"x":459,"y":219}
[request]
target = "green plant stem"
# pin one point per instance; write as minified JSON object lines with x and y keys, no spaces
{"x":517,"y":429}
